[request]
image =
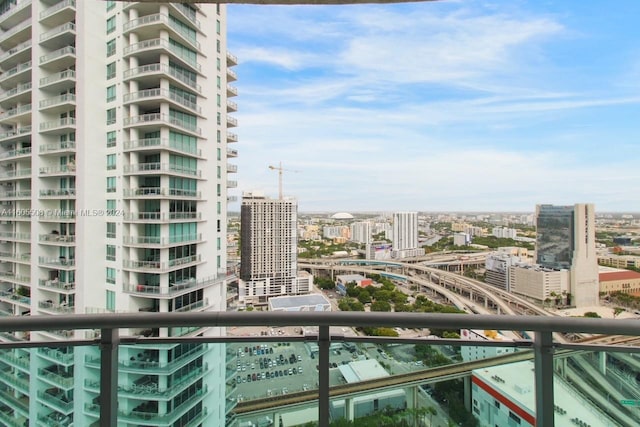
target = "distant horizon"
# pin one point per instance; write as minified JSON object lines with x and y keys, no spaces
{"x":474,"y":212}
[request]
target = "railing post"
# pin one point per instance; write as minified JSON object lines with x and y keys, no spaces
{"x":543,"y":353}
{"x":323,"y":376}
{"x":109,"y":341}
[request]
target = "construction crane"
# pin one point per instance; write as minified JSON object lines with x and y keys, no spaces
{"x":280,"y":169}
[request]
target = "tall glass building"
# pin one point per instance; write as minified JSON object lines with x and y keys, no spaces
{"x":566,"y":241}
{"x":113,"y":174}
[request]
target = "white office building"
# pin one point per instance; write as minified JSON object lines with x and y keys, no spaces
{"x":268,"y":265}
{"x":113,"y":151}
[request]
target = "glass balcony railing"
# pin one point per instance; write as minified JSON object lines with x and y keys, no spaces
{"x":321,"y":363}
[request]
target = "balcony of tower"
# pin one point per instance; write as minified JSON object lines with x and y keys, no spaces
{"x":147,"y":26}
{"x":161,"y":193}
{"x":162,"y":217}
{"x":157,"y":145}
{"x":157,"y":168}
{"x":150,"y":98}
{"x":58,"y":37}
{"x":232,"y":107}
{"x":19,"y":74}
{"x":153,"y":120}
{"x":15,"y":154}
{"x":16,"y":114}
{"x":15,"y":13}
{"x":15,"y":35}
{"x":16,"y":55}
{"x":59,"y":59}
{"x":58,"y":81}
{"x":20,"y":94}
{"x":149,"y":75}
{"x":172,"y":290}
{"x":149,"y":51}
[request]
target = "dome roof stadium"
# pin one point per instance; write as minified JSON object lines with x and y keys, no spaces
{"x":342,"y":215}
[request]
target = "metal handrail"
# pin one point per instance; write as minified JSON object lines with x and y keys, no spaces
{"x":109,"y":340}
{"x":347,"y":319}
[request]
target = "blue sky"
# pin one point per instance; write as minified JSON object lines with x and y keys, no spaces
{"x":455,"y":105}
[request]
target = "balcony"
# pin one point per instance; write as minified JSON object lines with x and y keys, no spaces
{"x":15,"y":134}
{"x":231,"y":122}
{"x":58,"y":126}
{"x":161,"y":168}
{"x":232,"y":184}
{"x":152,"y":72}
{"x":331,"y":401}
{"x":15,"y":74}
{"x":58,"y":147}
{"x":231,"y":152}
{"x":157,"y":119}
{"x":59,"y":81}
{"x":149,"y":25}
{"x":58,"y":103}
{"x":59,"y":13}
{"x":15,"y":154}
{"x":157,"y":241}
{"x":178,"y":288}
{"x":57,"y":285}
{"x":161,"y":45}
{"x":160,"y":193}
{"x":64,"y":34}
{"x":232,"y":137}
{"x":14,"y":13}
{"x":59,"y":59}
{"x":232,"y":107}
{"x":22,"y":113}
{"x":232,"y":60}
{"x":161,"y":143}
{"x":16,"y":55}
{"x":231,"y":91}
{"x":152,"y":96}
{"x":13,"y":95}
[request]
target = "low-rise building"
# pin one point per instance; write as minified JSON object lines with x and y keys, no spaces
{"x":471,"y":352}
{"x":311,"y":302}
{"x":504,"y":395}
{"x":538,"y":282}
{"x":625,"y":281}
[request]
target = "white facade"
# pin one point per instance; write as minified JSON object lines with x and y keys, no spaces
{"x":461,"y":239}
{"x":269,"y":241}
{"x":405,"y":235}
{"x":537,"y":282}
{"x":113,"y":147}
{"x":405,"y":230}
{"x":504,"y":232}
{"x":361,"y":232}
{"x":333,"y":231}
{"x":471,"y":352}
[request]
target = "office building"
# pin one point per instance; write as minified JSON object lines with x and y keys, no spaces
{"x":405,"y":235}
{"x":268,"y":254}
{"x":113,"y":146}
{"x":566,"y":240}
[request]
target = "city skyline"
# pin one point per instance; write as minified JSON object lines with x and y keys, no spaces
{"x":445,"y":106}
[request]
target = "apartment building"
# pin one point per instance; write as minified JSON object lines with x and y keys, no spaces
{"x":114,"y":138}
{"x":268,"y":255}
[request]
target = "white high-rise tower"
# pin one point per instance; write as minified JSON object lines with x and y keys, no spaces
{"x":405,"y":235}
{"x":113,"y":147}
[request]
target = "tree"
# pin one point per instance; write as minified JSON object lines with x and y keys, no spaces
{"x":592,"y":314}
{"x":617,"y":311}
{"x":380,"y":306}
{"x":364,"y":297}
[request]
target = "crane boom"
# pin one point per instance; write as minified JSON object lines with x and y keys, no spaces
{"x":280,"y":169}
